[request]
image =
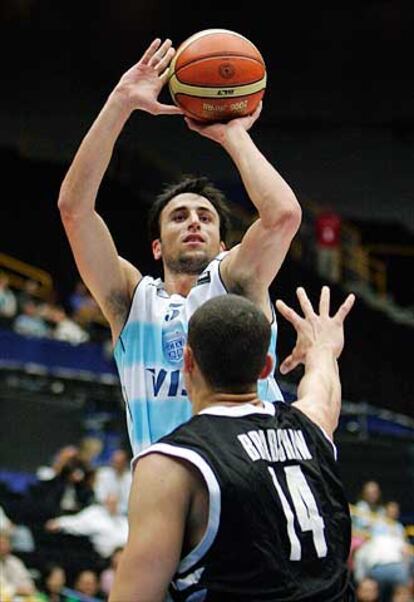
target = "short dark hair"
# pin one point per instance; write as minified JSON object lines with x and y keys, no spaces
{"x":229,"y":337}
{"x":197,"y":185}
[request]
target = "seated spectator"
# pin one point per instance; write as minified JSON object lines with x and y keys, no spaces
{"x":384,"y":557}
{"x":65,"y":329}
{"x":83,"y":306}
{"x":68,"y":492}
{"x":30,"y":323}
{"x":367,"y":508}
{"x":108,"y":575}
{"x":105,"y":526}
{"x":63,"y":455}
{"x":90,"y":447}
{"x":52,"y":587}
{"x":87,"y":586}
{"x":8,"y":301}
{"x":367,"y":590}
{"x":15,"y":579}
{"x":389,"y":523}
{"x":29,"y":292}
{"x":402,"y":593}
{"x":114,"y":479}
{"x":21,"y":537}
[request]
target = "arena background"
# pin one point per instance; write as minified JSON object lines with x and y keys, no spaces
{"x":338,"y":124}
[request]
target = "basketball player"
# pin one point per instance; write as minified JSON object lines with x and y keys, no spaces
{"x":148,"y":318}
{"x":244,"y":501}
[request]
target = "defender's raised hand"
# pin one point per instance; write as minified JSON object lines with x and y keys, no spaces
{"x":314,"y":329}
{"x":142,"y":83}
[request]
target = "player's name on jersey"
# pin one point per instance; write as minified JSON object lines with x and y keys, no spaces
{"x":275,"y":445}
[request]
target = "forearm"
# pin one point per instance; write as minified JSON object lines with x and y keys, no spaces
{"x":321,"y":384}
{"x":269,"y":192}
{"x":80,"y":186}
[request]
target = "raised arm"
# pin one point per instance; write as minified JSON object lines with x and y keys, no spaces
{"x":322,"y":341}
{"x":251,"y":266}
{"x":109,"y":279}
{"x":158,"y":507}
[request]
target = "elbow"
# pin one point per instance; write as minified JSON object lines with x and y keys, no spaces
{"x":65,"y":205}
{"x":289,"y":218}
{"x":69,"y":209}
{"x":294,"y":216}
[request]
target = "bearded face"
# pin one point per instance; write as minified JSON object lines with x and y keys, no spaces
{"x":190,"y":234}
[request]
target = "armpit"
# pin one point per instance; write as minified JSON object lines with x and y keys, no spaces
{"x":117,"y":304}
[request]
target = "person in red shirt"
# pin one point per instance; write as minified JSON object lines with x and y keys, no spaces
{"x":328,"y":244}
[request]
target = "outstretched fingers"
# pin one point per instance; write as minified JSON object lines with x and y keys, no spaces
{"x":150,"y":51}
{"x":305,"y":304}
{"x":289,"y":364}
{"x":159,"y":56}
{"x":324,"y":301}
{"x":163,"y":65}
{"x":345,"y":308}
{"x":289,"y":313}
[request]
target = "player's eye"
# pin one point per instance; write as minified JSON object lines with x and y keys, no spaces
{"x":205,"y":217}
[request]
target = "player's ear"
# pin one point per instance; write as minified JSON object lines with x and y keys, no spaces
{"x":223,"y":246}
{"x":267,"y":368}
{"x":188,"y":359}
{"x":156,"y":249}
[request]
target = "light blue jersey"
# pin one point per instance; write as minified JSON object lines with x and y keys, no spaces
{"x":149,"y":355}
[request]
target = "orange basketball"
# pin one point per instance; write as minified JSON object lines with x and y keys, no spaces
{"x":216,"y":75}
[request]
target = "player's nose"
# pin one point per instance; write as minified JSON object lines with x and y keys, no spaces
{"x":194,"y":220}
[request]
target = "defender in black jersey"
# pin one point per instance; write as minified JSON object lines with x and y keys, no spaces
{"x":244,"y":501}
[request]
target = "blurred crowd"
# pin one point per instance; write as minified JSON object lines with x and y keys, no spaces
{"x":61,"y":537}
{"x":77,"y":320}
{"x":382,"y":553}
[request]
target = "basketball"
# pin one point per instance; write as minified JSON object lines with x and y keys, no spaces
{"x":217,"y":75}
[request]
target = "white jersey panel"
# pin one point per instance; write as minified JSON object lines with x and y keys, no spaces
{"x":149,"y":355}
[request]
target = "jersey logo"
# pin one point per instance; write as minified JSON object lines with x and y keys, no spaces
{"x":173,"y":335}
{"x":166,"y":383}
{"x":204,"y":279}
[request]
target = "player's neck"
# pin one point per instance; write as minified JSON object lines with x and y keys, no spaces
{"x":179,"y":284}
{"x":210,"y":399}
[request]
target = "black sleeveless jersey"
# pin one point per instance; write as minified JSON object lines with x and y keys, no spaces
{"x":279,"y":526}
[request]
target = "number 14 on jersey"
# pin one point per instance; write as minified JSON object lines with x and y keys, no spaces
{"x":305,"y":508}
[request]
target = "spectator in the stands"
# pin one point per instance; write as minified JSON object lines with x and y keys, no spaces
{"x":62,"y":456}
{"x":30,"y":323}
{"x":87,"y":583}
{"x":52,"y":584}
{"x":368,"y":508}
{"x":104,"y":525}
{"x":90,"y":447}
{"x":328,"y":244}
{"x":65,"y":328}
{"x":402,"y":593}
{"x":115,"y":479}
{"x":8,"y":301}
{"x":21,"y":537}
{"x":29,"y":292}
{"x":68,"y":492}
{"x":367,"y":590}
{"x":83,"y":306}
{"x":15,"y":579}
{"x":385,"y":557}
{"x":107,"y":576}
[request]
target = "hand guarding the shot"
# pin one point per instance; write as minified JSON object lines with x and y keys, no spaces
{"x":142,"y":83}
{"x":314,"y":329}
